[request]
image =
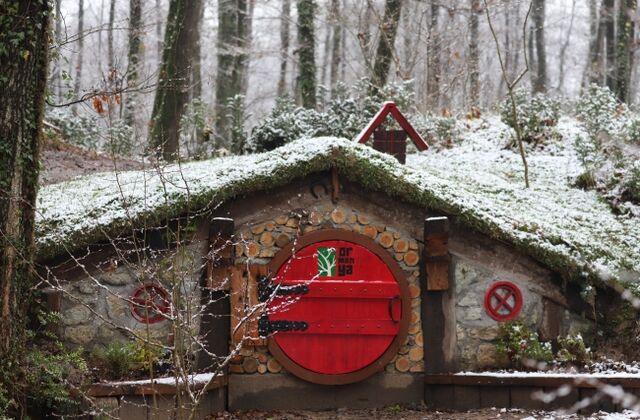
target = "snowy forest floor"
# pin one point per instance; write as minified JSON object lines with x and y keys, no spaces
{"x":396,"y":412}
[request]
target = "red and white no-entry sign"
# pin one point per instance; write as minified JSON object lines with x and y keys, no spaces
{"x":503,"y":301}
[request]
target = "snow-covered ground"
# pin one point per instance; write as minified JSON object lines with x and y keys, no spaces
{"x":478,"y":182}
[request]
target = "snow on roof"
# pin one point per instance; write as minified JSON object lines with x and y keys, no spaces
{"x":478,"y":183}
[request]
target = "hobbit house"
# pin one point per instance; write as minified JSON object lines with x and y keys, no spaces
{"x":321,"y":274}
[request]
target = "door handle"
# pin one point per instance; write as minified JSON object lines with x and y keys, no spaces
{"x":391,"y":303}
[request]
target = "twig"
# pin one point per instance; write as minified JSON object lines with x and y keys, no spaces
{"x":511,"y":84}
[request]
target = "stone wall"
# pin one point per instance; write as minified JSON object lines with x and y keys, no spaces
{"x":476,"y":331}
{"x":96,"y":307}
{"x":259,"y":242}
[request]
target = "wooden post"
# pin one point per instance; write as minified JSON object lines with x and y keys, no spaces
{"x":214,"y":322}
{"x":438,"y":302}
{"x":436,"y":252}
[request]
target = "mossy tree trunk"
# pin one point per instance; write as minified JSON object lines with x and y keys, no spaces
{"x":624,"y":54}
{"x":336,"y":42}
{"x":306,"y":81}
{"x":233,"y":54}
{"x":24,"y":50}
{"x":386,"y":41}
{"x":135,"y":34}
{"x":172,"y":93}
{"x":540,"y":80}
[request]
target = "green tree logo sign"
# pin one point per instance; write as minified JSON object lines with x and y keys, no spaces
{"x":326,"y":261}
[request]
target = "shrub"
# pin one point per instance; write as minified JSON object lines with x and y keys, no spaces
{"x":535,"y":114}
{"x":120,"y":360}
{"x":81,"y":130}
{"x":121,"y":140}
{"x":348,"y":111}
{"x":633,"y":131}
{"x":573,"y":349}
{"x":437,"y":130}
{"x":631,"y":183}
{"x":601,"y":111}
{"x":283,"y":125}
{"x":237,"y":115}
{"x":522,"y":345}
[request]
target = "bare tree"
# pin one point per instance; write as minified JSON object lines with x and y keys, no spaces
{"x":433,"y":60}
{"x":474,"y":71}
{"x":76,"y":86}
{"x":565,"y":45}
{"x":110,"y":52}
{"x":607,"y":19}
{"x":285,"y":17}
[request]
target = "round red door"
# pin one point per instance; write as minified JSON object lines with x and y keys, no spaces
{"x":338,"y":308}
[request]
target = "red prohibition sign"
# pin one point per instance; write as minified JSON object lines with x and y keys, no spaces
{"x":503,"y":301}
{"x":149,"y":303}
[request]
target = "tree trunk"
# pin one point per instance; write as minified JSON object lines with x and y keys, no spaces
{"x":433,"y":59}
{"x":306,"y":81}
{"x":232,"y":61}
{"x":336,"y":43}
{"x":173,"y":84}
{"x":624,"y":56}
{"x":23,"y":66}
{"x":196,"y":70}
{"x":55,"y":85}
{"x":326,"y":51}
{"x":112,"y":16}
{"x":474,"y":71}
{"x":565,"y":45}
{"x":135,"y":32}
{"x":610,"y":43}
{"x":532,"y":57}
{"x":540,"y":81}
{"x":159,"y":28}
{"x":285,"y":17}
{"x":76,"y":87}
{"x":595,"y":62}
{"x":386,"y":41}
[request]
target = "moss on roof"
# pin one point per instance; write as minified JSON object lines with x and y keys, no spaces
{"x":570,"y":231}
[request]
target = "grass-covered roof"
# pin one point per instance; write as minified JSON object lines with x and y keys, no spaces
{"x":478,"y":183}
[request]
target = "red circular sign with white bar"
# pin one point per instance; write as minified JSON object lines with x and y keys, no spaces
{"x":345,"y":313}
{"x":149,"y":303}
{"x":503,"y":301}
